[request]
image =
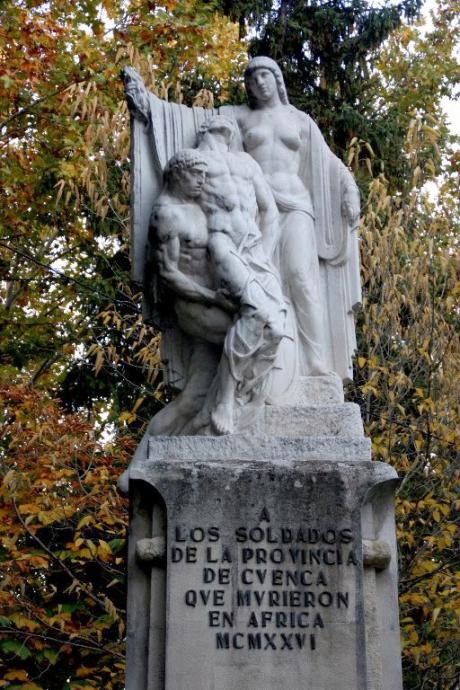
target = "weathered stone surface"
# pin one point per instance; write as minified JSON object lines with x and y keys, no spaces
{"x":337,"y":421}
{"x":262,"y":547}
{"x":151,"y":550}
{"x":309,"y":391}
{"x":279,"y":450}
{"x":285,"y":433}
{"x":381,"y":591}
{"x":266,"y":584}
{"x":376,"y":554}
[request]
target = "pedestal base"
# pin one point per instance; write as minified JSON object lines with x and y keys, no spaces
{"x":250,"y":574}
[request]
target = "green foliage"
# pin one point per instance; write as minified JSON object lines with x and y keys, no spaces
{"x":69,"y":311}
{"x":71,"y":333}
{"x":409,"y":330}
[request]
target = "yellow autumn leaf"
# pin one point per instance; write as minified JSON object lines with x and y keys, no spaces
{"x":418,"y":443}
{"x":125,"y":416}
{"x":16,"y":674}
{"x":413,"y":637}
{"x":85,"y":553}
{"x":85,"y":521}
{"x":110,"y":608}
{"x":444,"y":508}
{"x":99,"y":361}
{"x":104,"y":551}
{"x":91,"y":546}
{"x":435,"y":615}
{"x":22,"y":621}
{"x":29,"y":508}
{"x":38,"y":561}
{"x":137,"y":404}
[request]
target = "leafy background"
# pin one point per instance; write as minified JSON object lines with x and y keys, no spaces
{"x":79,"y":371}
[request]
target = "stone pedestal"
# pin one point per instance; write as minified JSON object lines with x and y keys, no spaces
{"x":264,"y":561}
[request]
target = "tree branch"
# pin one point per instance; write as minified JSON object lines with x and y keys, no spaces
{"x":84,"y":286}
{"x":29,"y":108}
{"x":93,"y":647}
{"x":56,"y":558}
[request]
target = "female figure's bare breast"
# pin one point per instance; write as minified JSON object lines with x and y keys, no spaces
{"x":274,"y":137}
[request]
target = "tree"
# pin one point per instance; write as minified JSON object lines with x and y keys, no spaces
{"x":409,"y":330}
{"x":407,"y":365}
{"x":69,"y":306}
{"x":327,"y":51}
{"x":62,"y":539}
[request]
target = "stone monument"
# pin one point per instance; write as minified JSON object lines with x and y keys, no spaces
{"x":262,"y":547}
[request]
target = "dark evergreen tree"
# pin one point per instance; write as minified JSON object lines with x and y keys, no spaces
{"x":325,"y":50}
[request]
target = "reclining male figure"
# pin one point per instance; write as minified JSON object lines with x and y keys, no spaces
{"x":237,"y":200}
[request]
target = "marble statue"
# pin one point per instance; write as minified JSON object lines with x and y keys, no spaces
{"x":235,"y":198}
{"x":244,"y":237}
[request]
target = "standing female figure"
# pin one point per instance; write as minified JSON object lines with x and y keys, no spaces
{"x":318,"y":201}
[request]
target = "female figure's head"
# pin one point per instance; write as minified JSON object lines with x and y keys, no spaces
{"x":264,"y":82}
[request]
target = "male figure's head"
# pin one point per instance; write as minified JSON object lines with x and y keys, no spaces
{"x":216,"y":133}
{"x":185,"y":173}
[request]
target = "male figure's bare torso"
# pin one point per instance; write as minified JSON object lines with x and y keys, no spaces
{"x":181,"y":239}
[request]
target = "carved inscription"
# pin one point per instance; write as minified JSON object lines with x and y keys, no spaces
{"x":270,"y":587}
